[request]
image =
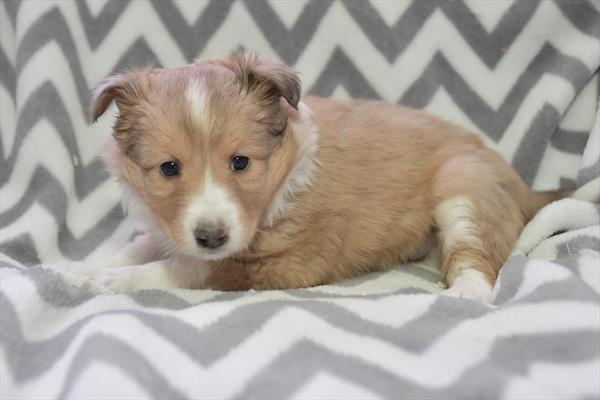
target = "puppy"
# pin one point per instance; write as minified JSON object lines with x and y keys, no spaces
{"x":247,"y":185}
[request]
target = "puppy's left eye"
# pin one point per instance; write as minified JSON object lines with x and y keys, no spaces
{"x":239,"y":163}
{"x":170,"y":168}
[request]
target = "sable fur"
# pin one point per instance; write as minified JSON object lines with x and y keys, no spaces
{"x":382,"y":185}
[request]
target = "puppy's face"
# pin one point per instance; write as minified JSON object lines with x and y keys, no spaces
{"x":204,"y":147}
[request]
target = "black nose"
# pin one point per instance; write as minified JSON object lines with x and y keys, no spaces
{"x":211,"y":237}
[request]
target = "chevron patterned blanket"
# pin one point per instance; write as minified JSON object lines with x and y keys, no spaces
{"x":522,"y":74}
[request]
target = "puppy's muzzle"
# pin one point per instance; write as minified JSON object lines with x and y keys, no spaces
{"x":211,"y":237}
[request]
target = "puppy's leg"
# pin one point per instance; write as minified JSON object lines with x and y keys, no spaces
{"x":469,"y":272}
{"x":174,"y":272}
{"x":477,"y":213}
{"x":143,"y":249}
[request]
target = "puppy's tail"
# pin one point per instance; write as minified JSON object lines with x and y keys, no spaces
{"x":588,"y":192}
{"x":538,"y":200}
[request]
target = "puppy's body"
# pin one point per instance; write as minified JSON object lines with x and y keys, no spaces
{"x":332,"y":190}
{"x":387,"y":177}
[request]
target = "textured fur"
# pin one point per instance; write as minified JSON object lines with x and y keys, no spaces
{"x":335,"y":189}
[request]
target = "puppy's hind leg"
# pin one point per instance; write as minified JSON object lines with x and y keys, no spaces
{"x":469,"y":273}
{"x":476,"y":201}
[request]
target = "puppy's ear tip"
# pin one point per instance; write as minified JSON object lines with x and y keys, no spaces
{"x":293,"y":99}
{"x":119,"y":87}
{"x":291,"y":111}
{"x":289,"y":86}
{"x":295,"y":102}
{"x":96,"y":111}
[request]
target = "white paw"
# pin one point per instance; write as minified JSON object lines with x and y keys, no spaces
{"x":84,"y":268}
{"x":471,"y":284}
{"x":116,"y":280}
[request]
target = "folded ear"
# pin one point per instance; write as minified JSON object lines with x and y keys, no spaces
{"x":266,"y":79}
{"x":125,"y":89}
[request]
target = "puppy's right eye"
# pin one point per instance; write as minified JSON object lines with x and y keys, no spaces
{"x":170,"y":168}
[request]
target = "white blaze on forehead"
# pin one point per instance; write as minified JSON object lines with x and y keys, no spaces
{"x":213,"y":205}
{"x":197,"y":96}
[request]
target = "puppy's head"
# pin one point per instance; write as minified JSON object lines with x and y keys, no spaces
{"x":206,"y":148}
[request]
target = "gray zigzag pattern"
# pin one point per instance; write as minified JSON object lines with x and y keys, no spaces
{"x":45,"y":104}
{"x":234,"y":327}
{"x":441,"y":74}
{"x":52,"y":27}
{"x":22,"y":248}
{"x":12,"y":8}
{"x":7,"y":75}
{"x":191,"y":40}
{"x":288,"y":43}
{"x":97,"y":28}
{"x":45,"y":190}
{"x":286,"y":364}
{"x":438,"y":74}
{"x":36,"y":39}
{"x":582,"y":14}
{"x":589,"y":173}
{"x":319,"y":359}
{"x":533,"y":144}
{"x":260,"y":11}
{"x":107,"y":349}
{"x":392,"y":41}
{"x":569,"y":141}
{"x":514,"y":359}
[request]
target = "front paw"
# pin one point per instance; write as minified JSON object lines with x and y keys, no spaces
{"x":85,"y":269}
{"x":114,"y":280}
